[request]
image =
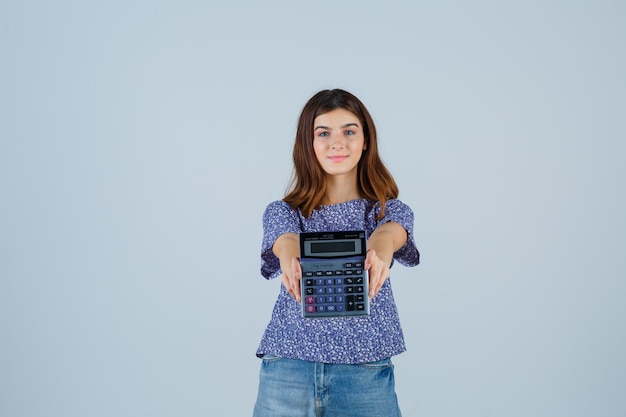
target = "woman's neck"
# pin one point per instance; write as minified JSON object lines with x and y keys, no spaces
{"x":340,"y":190}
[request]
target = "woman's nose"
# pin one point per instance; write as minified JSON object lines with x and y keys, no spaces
{"x":337,"y":141}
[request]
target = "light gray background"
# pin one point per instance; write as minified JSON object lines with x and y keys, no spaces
{"x":141,"y":141}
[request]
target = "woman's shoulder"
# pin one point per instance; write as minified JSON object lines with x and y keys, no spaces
{"x":397,"y":204}
{"x":277,"y":204}
{"x":395,"y":210}
{"x":279,"y":208}
{"x":393,"y":205}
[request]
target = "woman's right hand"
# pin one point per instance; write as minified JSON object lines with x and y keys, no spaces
{"x":287,"y":249}
{"x":291,"y":278}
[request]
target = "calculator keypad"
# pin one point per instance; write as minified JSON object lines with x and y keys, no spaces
{"x":334,"y":289}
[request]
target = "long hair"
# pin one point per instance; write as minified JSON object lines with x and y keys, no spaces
{"x":307,"y":186}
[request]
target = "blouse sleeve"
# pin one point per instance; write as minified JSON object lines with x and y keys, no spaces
{"x":397,"y":211}
{"x":278,"y":218}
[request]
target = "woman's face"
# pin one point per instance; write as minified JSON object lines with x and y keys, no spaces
{"x":338,"y":142}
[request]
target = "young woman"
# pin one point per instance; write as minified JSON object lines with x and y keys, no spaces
{"x":336,"y":366}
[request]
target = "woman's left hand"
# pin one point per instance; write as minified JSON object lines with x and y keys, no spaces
{"x":378,"y":271}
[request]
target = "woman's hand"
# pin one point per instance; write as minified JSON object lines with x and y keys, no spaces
{"x":291,"y":278}
{"x":287,"y":249}
{"x":382,"y":244}
{"x":378,"y":272}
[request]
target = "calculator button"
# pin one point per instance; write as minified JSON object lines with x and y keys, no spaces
{"x":337,"y":289}
{"x":350,"y":303}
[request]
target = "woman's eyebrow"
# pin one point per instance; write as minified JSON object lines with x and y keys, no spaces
{"x":343,"y":126}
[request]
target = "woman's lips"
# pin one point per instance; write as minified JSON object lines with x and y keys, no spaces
{"x":337,"y":158}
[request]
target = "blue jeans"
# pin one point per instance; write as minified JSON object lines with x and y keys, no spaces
{"x":295,"y":388}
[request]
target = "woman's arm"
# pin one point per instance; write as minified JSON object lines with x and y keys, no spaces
{"x":287,"y":249}
{"x":382,"y":244}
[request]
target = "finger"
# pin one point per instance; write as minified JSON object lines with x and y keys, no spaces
{"x":373,"y":284}
{"x":380,"y":274}
{"x":287,"y":283}
{"x":372,"y":264}
{"x":297,"y":275}
{"x":379,"y":285}
{"x":368,"y":258}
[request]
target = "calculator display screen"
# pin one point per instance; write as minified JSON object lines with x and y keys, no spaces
{"x":332,"y":246}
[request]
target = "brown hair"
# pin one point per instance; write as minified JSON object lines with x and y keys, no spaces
{"x":307,"y":187}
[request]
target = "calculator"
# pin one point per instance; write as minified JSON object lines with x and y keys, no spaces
{"x":334,"y":280}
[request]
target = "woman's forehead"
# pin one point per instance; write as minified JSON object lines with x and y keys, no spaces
{"x":337,"y":117}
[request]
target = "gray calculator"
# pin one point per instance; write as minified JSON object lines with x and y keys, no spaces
{"x":334,"y":280}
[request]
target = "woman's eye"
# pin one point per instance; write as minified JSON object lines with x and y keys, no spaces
{"x":350,"y":132}
{"x":323,"y":134}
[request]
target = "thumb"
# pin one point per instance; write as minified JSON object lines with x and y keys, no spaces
{"x":368,"y":258}
{"x":295,"y":267}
